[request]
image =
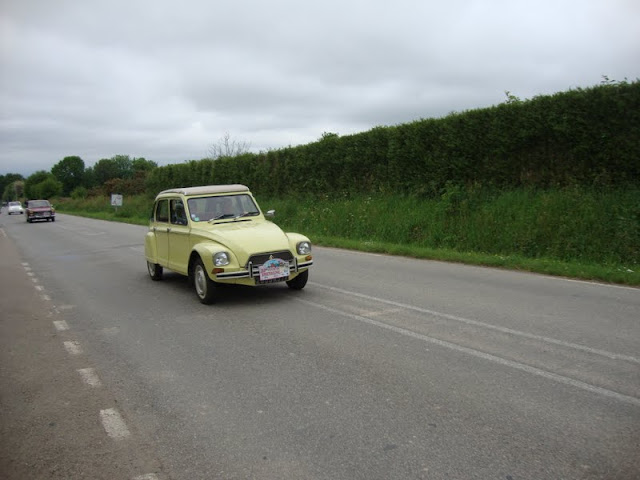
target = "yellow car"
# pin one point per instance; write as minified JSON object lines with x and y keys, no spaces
{"x":216,"y":234}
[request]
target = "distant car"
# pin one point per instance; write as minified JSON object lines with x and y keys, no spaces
{"x":15,"y":208}
{"x":217,"y":235}
{"x":40,"y":210}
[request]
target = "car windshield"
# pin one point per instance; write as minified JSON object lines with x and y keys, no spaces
{"x":38,"y":203}
{"x":219,"y":207}
{"x":14,"y":204}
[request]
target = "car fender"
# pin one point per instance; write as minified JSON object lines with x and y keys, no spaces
{"x":150,"y":251}
{"x":294,"y":239}
{"x":206,"y":250}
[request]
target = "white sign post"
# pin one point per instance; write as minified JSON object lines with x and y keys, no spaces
{"x":116,"y":201}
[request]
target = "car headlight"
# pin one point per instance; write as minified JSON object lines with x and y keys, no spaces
{"x":220,"y":259}
{"x":303,"y":248}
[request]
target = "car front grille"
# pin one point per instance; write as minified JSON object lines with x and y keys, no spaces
{"x":261,"y":258}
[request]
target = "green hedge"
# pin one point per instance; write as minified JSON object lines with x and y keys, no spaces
{"x":582,"y":137}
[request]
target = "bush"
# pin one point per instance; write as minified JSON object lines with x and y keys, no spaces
{"x":79,"y":193}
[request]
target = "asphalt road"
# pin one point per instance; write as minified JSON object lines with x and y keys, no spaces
{"x":381,"y":368}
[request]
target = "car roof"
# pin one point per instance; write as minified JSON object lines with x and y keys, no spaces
{"x":206,"y":189}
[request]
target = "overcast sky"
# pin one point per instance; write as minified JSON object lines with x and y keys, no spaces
{"x":165,"y":80}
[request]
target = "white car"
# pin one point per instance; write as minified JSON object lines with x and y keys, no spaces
{"x":15,"y":207}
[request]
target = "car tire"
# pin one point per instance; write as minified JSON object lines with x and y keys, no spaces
{"x":299,"y":282}
{"x":53,"y":219}
{"x":155,"y":271}
{"x":205,"y":288}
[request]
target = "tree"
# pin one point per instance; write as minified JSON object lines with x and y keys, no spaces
{"x":118,"y":166}
{"x":226,"y":147}
{"x":143,"y":165}
{"x":49,"y":188}
{"x":13,"y":191}
{"x":6,"y":180}
{"x":31,"y":183}
{"x":70,"y":172}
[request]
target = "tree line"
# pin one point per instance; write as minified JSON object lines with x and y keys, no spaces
{"x":581,"y":137}
{"x":578,"y":138}
{"x":71,"y":178}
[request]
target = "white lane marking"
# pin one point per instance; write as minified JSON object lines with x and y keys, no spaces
{"x":90,"y":377}
{"x":39,"y":288}
{"x":30,"y":273}
{"x":27,"y":268}
{"x":146,"y":476}
{"x":25,"y":264}
{"x":3,"y":232}
{"x":34,"y":279}
{"x":476,"y":323}
{"x":73,"y":348}
{"x":45,"y":297}
{"x":114,"y":424}
{"x":61,"y":325}
{"x":485,"y":356}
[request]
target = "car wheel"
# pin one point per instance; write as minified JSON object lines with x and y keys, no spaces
{"x":53,"y":219}
{"x":206,"y":289}
{"x":299,"y":282}
{"x":155,"y":271}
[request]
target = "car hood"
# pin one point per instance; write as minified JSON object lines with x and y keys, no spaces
{"x":245,"y":238}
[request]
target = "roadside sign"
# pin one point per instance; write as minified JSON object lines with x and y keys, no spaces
{"x":116,"y":200}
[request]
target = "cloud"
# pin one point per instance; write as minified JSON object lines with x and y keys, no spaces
{"x":149,"y":78}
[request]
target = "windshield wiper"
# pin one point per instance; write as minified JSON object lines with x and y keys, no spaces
{"x":232,"y":216}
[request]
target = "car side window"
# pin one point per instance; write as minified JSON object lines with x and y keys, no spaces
{"x":178,"y":214}
{"x":162,"y":211}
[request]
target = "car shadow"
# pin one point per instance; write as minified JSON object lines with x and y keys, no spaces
{"x":230,"y":294}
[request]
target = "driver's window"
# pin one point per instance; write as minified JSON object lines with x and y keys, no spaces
{"x":178,"y":214}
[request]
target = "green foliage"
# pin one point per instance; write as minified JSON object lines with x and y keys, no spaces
{"x":31,"y":183}
{"x":79,"y":193}
{"x":48,"y":188}
{"x":599,"y":226}
{"x":582,"y":137}
{"x":69,"y":172}
{"x":8,"y":186}
{"x":135,"y":209}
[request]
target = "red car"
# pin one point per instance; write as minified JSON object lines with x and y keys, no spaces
{"x":40,"y":210}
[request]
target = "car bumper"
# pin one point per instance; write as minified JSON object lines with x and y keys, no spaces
{"x":251,"y":274}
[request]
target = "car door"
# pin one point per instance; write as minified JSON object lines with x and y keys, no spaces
{"x":161,"y":230}
{"x":178,"y":236}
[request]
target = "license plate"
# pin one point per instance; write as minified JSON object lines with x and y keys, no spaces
{"x":274,"y":268}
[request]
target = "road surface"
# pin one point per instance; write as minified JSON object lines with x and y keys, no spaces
{"x":381,"y":368}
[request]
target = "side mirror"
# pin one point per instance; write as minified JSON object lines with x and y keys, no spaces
{"x":270,"y":213}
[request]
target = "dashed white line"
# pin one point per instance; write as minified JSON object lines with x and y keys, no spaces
{"x":45,"y":297}
{"x":90,"y":377}
{"x":114,"y":424}
{"x":146,"y":476}
{"x":61,"y":325}
{"x":73,"y":348}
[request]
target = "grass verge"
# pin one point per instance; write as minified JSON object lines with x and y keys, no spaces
{"x":585,"y":235}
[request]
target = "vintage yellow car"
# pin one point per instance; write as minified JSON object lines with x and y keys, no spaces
{"x":216,"y":235}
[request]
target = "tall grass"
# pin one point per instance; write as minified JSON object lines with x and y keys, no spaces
{"x":587,"y":233}
{"x":134,"y":209}
{"x":580,"y":226}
